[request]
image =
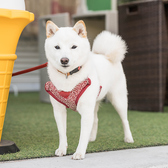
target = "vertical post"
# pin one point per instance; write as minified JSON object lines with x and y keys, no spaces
{"x":114,"y":5}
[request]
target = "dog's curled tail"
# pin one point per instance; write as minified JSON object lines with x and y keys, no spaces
{"x":110,"y":45}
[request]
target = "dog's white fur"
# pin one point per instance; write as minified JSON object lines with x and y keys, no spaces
{"x":102,"y":66}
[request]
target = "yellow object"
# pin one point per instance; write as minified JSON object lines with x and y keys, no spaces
{"x":12,"y":23}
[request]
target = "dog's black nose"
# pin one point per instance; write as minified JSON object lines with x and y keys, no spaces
{"x":64,"y":60}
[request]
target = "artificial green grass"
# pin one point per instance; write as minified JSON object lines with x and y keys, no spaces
{"x":31,"y":125}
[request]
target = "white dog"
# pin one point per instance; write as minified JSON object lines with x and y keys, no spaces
{"x":80,"y":79}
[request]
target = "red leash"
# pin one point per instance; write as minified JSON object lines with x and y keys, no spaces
{"x":30,"y":69}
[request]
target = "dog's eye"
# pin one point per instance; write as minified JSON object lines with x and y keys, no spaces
{"x":57,"y":47}
{"x":74,"y":47}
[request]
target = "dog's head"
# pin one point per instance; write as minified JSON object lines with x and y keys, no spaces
{"x":68,"y":47}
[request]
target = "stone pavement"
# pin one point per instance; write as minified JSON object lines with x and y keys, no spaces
{"x":150,"y":157}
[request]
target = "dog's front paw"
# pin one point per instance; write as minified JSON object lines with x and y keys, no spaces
{"x":60,"y":152}
{"x":128,"y":140}
{"x":78,"y":156}
{"x":92,"y":139}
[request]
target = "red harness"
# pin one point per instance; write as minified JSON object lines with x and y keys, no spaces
{"x":69,"y":99}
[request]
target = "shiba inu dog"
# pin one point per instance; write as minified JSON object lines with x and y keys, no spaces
{"x":81,"y":78}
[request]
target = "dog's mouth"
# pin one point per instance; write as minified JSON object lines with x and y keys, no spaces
{"x":65,"y":66}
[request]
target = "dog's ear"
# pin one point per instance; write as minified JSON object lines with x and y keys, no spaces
{"x":51,"y":29}
{"x":80,"y":28}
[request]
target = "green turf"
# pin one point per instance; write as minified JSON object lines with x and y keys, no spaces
{"x":31,"y":125}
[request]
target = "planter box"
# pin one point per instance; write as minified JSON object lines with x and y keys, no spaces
{"x":143,"y":26}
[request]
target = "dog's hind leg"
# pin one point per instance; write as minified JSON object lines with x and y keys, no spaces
{"x":95,"y":124}
{"x":118,"y":98}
